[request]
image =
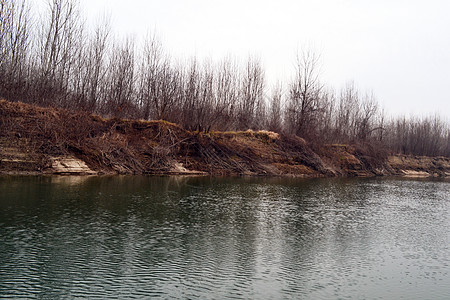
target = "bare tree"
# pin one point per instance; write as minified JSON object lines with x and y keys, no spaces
{"x":418,"y":136}
{"x":252,"y":92}
{"x":58,"y":35}
{"x":151,"y":70}
{"x":120,"y":80}
{"x":304,"y":95}
{"x":227,"y":94}
{"x":326,"y":116}
{"x":6,"y":27}
{"x":192,"y":96}
{"x":95,"y":66}
{"x":364,"y":124}
{"x":275,"y":109}
{"x":14,"y":48}
{"x":348,"y":110}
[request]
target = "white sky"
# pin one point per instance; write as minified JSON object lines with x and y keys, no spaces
{"x":400,"y":49}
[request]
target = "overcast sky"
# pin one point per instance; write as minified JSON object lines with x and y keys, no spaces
{"x":399,"y":49}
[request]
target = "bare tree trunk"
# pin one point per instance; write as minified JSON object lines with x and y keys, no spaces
{"x":14,"y":49}
{"x":304,"y":95}
{"x":275,"y":109}
{"x":57,"y":46}
{"x":252,"y":92}
{"x":227,"y":93}
{"x":120,"y":81}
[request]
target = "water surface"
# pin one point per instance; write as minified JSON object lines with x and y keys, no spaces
{"x":223,"y":238}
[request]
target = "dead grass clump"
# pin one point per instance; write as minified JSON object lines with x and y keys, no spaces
{"x":270,"y":134}
{"x":373,"y":156}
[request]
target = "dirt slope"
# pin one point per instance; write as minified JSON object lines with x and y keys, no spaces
{"x":35,"y":140}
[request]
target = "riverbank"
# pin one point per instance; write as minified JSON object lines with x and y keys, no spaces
{"x":36,"y":140}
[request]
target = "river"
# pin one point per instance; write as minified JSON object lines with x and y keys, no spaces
{"x":125,"y":237}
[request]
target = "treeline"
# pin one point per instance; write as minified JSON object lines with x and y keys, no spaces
{"x":57,"y":60}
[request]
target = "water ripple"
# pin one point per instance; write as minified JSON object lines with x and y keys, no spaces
{"x":141,"y":237}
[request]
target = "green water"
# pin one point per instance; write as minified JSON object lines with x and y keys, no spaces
{"x":224,"y":238}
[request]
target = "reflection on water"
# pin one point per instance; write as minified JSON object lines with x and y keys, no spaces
{"x":201,"y":237}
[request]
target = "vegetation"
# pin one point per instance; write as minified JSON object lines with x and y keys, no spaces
{"x":37,"y":140}
{"x":56,"y":61}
